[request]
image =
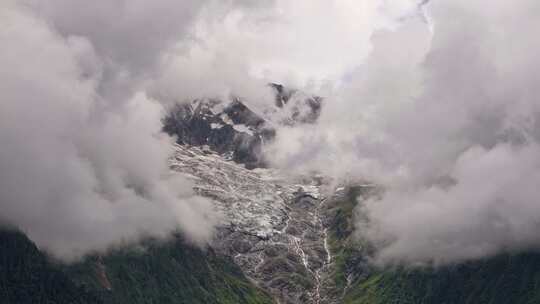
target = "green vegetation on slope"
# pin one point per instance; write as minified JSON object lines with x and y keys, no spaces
{"x":505,"y":279}
{"x":155,"y":272}
{"x":346,"y":250}
{"x":27,"y":277}
{"x":500,"y":280}
{"x":166,"y":272}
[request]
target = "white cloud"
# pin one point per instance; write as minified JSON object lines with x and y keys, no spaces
{"x":449,"y":124}
{"x":77,"y":173}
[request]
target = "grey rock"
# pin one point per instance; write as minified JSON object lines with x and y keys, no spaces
{"x":272,"y":224}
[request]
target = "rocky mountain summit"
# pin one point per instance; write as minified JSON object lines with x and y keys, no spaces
{"x":235,"y":131}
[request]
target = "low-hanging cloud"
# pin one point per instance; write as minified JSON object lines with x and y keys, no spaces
{"x":83,"y":163}
{"x":448,"y":123}
{"x":468,"y":143}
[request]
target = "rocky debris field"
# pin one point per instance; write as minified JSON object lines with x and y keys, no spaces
{"x":272,"y":226}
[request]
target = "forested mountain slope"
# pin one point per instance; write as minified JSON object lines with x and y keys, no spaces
{"x":504,"y":279}
{"x":154,"y":272}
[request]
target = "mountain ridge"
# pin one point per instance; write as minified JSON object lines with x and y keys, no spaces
{"x":232,"y":128}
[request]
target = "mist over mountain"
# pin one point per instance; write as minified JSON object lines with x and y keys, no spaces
{"x":295,"y":151}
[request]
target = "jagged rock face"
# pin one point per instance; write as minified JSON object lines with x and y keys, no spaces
{"x":234,"y":130}
{"x":272,"y":225}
